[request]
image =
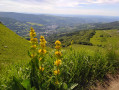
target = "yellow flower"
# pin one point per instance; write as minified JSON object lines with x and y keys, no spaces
{"x":43,"y":40}
{"x":57,"y":62}
{"x":32,"y":55}
{"x":42,"y":51}
{"x":32,"y":34}
{"x":42,"y":44}
{"x":41,"y":37}
{"x":58,"y":53}
{"x":34,"y":46}
{"x":56,"y":72}
{"x":58,"y":47}
{"x":57,"y":42}
{"x":33,"y":40}
{"x":32,"y":30}
{"x":41,"y":69}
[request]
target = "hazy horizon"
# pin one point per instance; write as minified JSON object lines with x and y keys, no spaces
{"x":63,"y":15}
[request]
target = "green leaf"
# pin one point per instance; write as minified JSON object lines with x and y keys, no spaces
{"x":65,"y":86}
{"x":26,"y":84}
{"x":29,"y":54}
{"x":17,"y":84}
{"x":73,"y":86}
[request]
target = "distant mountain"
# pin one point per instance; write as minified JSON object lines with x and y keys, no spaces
{"x":60,"y":20}
{"x":89,"y":26}
{"x":18,"y":27}
{"x":103,"y":26}
{"x":48,"y":24}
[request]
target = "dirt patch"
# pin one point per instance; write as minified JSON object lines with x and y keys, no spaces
{"x":112,"y":83}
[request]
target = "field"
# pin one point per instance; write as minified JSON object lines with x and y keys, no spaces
{"x":78,"y":66}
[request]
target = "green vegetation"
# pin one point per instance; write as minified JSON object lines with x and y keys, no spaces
{"x":13,"y":48}
{"x":20,"y":23}
{"x":105,"y":38}
{"x":37,"y":24}
{"x":80,"y":37}
{"x":80,"y":65}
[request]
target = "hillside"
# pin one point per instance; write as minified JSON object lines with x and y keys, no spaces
{"x":13,"y":48}
{"x":101,"y":38}
{"x":78,"y":37}
{"x":106,"y":38}
{"x":19,"y":27}
{"x":20,"y":23}
{"x":80,"y":65}
{"x":106,"y":26}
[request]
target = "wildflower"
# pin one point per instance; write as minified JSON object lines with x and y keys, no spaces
{"x":58,"y":47}
{"x":32,"y":33}
{"x":32,"y":55}
{"x":43,"y":40}
{"x":41,"y":37}
{"x":32,"y":30}
{"x":58,"y":53}
{"x":42,"y":45}
{"x":41,"y":69}
{"x":42,"y":51}
{"x":56,"y":72}
{"x":33,"y":46}
{"x":34,"y":40}
{"x":57,"y":42}
{"x":57,"y":62}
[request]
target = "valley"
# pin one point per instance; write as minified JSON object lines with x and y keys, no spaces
{"x":87,"y":47}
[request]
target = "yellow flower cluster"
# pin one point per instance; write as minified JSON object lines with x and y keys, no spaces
{"x":58,"y":61}
{"x":33,"y":46}
{"x":42,"y":52}
{"x":41,"y":68}
{"x":33,"y":41}
{"x":56,"y":72}
{"x":42,"y":44}
{"x":58,"y":54}
{"x":58,"y":45}
{"x":32,"y":33}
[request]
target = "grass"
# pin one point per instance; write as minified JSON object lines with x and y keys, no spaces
{"x":81,"y":67}
{"x":105,"y":38}
{"x":13,"y":48}
{"x":35,"y":24}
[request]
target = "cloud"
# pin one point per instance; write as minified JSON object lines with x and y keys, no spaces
{"x":103,"y":1}
{"x":57,"y":6}
{"x":57,"y":3}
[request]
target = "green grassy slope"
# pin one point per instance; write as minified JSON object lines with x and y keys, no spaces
{"x":106,"y":38}
{"x":13,"y":48}
{"x":80,"y":37}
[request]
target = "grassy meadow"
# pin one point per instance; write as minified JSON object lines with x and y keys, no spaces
{"x":76,"y":67}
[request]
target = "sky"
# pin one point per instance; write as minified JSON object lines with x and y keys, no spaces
{"x":74,"y":7}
